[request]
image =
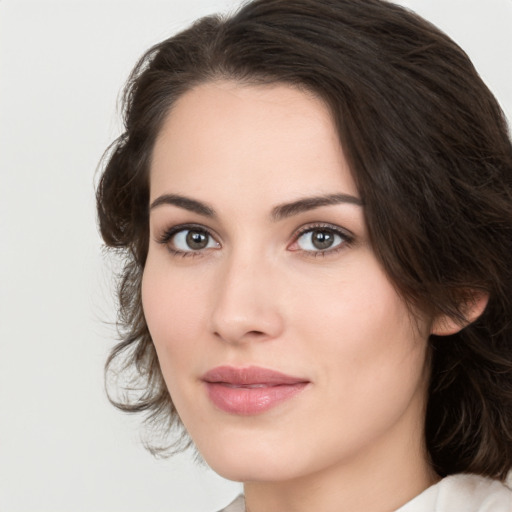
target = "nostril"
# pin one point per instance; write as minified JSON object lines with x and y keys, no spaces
{"x":234,"y":327}
{"x":255,"y":333}
{"x":247,"y":335}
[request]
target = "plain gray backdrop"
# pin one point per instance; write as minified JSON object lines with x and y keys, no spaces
{"x":62,"y":65}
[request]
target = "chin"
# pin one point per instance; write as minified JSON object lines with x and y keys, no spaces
{"x":274,"y":465}
{"x":255,"y":460}
{"x":251,"y":470}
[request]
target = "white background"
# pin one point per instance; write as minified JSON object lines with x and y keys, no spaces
{"x":62,"y":65}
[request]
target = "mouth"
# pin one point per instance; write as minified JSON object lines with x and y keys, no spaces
{"x":252,"y":390}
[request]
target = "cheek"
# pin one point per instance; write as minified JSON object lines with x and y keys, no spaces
{"x":368,"y":355}
{"x":172,"y":308}
{"x":360,"y":325}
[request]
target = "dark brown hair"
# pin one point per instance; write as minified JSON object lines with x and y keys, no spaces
{"x":430,"y":152}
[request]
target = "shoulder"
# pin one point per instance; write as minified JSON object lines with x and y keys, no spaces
{"x":464,"y":493}
{"x":238,"y":505}
{"x":482,"y":494}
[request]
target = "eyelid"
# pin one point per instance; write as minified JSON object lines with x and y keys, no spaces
{"x":347,"y":236}
{"x":167,"y":234}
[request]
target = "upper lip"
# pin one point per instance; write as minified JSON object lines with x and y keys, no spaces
{"x":249,"y":376}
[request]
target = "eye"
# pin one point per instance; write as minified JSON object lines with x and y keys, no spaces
{"x":320,"y":240}
{"x":192,"y":240}
{"x":181,"y":240}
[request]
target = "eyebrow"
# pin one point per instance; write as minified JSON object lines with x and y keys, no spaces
{"x":279,"y":212}
{"x":284,"y":211}
{"x":184,"y":202}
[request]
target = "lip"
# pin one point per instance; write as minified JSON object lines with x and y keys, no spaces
{"x":250,"y":390}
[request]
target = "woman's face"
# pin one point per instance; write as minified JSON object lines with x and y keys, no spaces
{"x":284,"y":346}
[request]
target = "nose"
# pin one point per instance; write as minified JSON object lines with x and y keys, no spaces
{"x":246,"y":304}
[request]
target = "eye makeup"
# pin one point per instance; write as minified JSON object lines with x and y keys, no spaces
{"x":321,"y":239}
{"x":311,"y":240}
{"x":188,"y":240}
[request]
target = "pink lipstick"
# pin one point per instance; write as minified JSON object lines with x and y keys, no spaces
{"x":252,"y":390}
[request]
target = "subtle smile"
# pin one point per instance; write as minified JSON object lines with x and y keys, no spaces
{"x":249,"y":391}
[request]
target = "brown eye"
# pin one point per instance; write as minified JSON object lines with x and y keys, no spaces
{"x":319,"y":239}
{"x":197,"y":240}
{"x":192,"y":239}
{"x":322,"y":239}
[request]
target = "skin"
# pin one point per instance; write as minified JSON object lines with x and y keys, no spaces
{"x":260,"y":294}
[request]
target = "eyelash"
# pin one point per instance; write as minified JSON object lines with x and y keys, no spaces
{"x":345,"y":235}
{"x":168,"y":234}
{"x":347,"y":239}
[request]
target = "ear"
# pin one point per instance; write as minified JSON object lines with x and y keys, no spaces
{"x":474,"y":303}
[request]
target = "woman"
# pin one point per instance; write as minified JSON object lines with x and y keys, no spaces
{"x":314,"y":199}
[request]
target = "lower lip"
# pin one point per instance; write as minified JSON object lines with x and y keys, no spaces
{"x":246,"y":401}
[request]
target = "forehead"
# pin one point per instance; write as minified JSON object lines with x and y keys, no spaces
{"x":271,"y":141}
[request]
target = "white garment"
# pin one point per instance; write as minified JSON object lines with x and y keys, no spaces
{"x":455,"y":493}
{"x":462,"y":493}
{"x":235,"y":506}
